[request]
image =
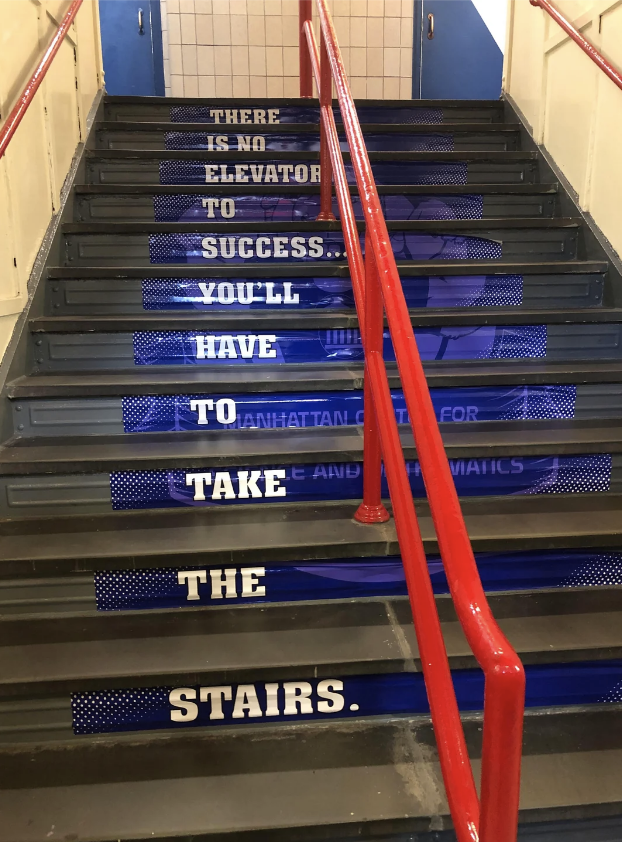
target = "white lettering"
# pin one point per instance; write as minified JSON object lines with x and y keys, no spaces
{"x":216,"y":695}
{"x":247,"y":485}
{"x":246,"y":700}
{"x":250,"y":581}
{"x":297,"y":697}
{"x":273,"y":485}
{"x":187,"y":710}
{"x":334,"y":701}
{"x":223,"y":585}
{"x":191,"y":578}
{"x":199,"y":481}
{"x":266,"y":351}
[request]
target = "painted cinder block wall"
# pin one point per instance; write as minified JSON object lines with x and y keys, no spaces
{"x":39,"y":157}
{"x":240,"y":48}
{"x":572,"y":108}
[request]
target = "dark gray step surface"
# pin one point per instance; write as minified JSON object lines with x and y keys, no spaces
{"x":93,"y":415}
{"x":374,"y":779}
{"x":144,"y":380}
{"x":45,"y":657}
{"x":162,"y":451}
{"x":79,"y":541}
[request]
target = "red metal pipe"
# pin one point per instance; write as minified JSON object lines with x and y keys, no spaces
{"x":588,"y":48}
{"x":305,"y":13}
{"x":504,"y":673}
{"x":27,"y":95}
{"x":371,"y":509}
{"x":326,"y":102}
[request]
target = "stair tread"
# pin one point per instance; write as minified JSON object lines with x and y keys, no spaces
{"x":133,"y":650}
{"x":424,"y":268}
{"x":492,"y":156}
{"x":312,"y":319}
{"x":44,"y":545}
{"x":287,"y":189}
{"x":449,"y":225}
{"x":303,"y":128}
{"x":305,"y":376}
{"x":297,"y":446}
{"x":271,"y":780}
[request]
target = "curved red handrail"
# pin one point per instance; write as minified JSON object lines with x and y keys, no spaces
{"x":21,"y":106}
{"x":588,"y":48}
{"x":494,"y":818}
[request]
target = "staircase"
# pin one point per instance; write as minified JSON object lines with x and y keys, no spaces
{"x":201,"y":642}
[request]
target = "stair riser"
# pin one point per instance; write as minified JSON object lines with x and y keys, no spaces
{"x":106,"y":351}
{"x":266,"y":171}
{"x":189,"y":486}
{"x":104,"y":296}
{"x":207,"y":249}
{"x":287,"y":112}
{"x":269,"y":208}
{"x":231,"y":411}
{"x":220,"y":587}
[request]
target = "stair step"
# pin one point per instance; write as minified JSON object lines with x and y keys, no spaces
{"x":287,"y":110}
{"x":160,"y":451}
{"x":124,"y":166}
{"x":306,"y":377}
{"x":97,"y":203}
{"x":303,"y":137}
{"x":265,"y":782}
{"x":76,"y":542}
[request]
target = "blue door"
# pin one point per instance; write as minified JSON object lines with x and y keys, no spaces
{"x":457,"y":56}
{"x":131,"y":33}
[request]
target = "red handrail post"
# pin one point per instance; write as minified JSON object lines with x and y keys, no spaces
{"x":326,"y":169}
{"x":305,"y":13}
{"x":371,"y":509}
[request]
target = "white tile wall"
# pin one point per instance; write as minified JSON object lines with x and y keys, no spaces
{"x":250,"y":47}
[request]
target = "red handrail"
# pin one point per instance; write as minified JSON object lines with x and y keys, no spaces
{"x":376,"y":283}
{"x":27,"y":95}
{"x":588,"y":48}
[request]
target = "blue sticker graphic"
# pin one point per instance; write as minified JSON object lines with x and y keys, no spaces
{"x":343,"y":481}
{"x":305,"y":172}
{"x":349,"y":578}
{"x":107,"y":711}
{"x":307,"y":142}
{"x":185,"y":207}
{"x":320,"y":293}
{"x":251,"y":115}
{"x":172,"y":413}
{"x":328,"y":245}
{"x":303,"y":346}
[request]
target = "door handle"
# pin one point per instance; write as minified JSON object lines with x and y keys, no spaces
{"x":141,"y":28}
{"x":430,"y":26}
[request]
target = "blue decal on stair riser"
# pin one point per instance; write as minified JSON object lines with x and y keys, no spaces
{"x":343,"y":481}
{"x":488,"y":342}
{"x":145,"y":709}
{"x":326,"y":246}
{"x":305,"y":172}
{"x":252,"y":115}
{"x":184,"y":207}
{"x":351,"y":578}
{"x":304,"y":142}
{"x":312,"y":293}
{"x":172,"y":413}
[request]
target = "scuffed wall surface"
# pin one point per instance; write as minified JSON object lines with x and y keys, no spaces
{"x":571,"y":106}
{"x":38,"y":159}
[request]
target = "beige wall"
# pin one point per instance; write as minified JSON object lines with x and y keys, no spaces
{"x":250,"y":47}
{"x":38,"y":159}
{"x":569,"y":103}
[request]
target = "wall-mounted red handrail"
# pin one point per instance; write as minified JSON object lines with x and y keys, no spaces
{"x":377,"y":288}
{"x":588,"y":48}
{"x":21,"y":106}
